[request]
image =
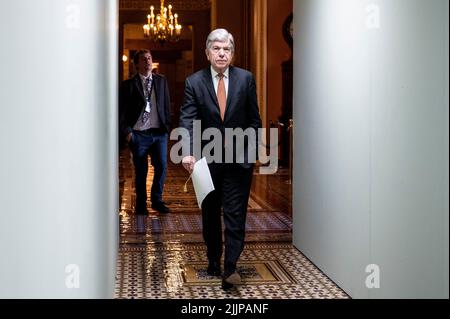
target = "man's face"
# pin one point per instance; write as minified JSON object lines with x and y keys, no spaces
{"x":145,"y":63}
{"x":220,"y":55}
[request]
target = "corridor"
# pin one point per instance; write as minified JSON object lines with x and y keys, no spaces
{"x":163,"y":256}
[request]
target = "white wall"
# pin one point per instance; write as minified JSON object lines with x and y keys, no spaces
{"x":371,"y":143}
{"x":58,"y":130}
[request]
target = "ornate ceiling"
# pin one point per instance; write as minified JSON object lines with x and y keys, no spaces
{"x":179,"y":5}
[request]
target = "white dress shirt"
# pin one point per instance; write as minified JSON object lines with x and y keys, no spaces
{"x":226,"y":78}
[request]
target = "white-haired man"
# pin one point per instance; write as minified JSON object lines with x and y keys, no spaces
{"x":223,"y":97}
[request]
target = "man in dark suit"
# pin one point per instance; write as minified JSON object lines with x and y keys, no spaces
{"x":223,"y":97}
{"x":144,"y":108}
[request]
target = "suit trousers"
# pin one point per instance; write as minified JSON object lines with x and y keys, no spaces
{"x":232,"y":184}
{"x":142,"y":145}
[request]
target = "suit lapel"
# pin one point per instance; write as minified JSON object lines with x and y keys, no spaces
{"x":156,"y":85}
{"x":208,"y":81}
{"x":232,"y":84}
{"x":138,"y":84}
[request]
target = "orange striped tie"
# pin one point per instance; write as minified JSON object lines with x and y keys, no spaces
{"x":221,"y":96}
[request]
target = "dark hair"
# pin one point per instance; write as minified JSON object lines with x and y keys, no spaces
{"x":138,"y":55}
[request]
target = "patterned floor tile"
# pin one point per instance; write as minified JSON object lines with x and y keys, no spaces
{"x":269,"y":271}
{"x":164,"y":257}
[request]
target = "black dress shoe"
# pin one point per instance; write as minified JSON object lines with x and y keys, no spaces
{"x":161,"y":207}
{"x":234,"y":279}
{"x":229,"y":281}
{"x":226,"y":285}
{"x":214,"y":269}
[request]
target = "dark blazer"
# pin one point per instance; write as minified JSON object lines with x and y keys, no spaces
{"x":132,"y":102}
{"x":200,"y":103}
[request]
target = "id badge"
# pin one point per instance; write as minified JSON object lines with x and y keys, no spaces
{"x":148,"y":107}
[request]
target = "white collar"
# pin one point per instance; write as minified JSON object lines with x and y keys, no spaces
{"x":143,"y":78}
{"x":214,"y":73}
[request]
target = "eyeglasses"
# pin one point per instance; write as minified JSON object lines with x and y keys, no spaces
{"x":216,"y":49}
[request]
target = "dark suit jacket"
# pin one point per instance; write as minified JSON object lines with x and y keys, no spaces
{"x":132,"y":102}
{"x":200,"y":103}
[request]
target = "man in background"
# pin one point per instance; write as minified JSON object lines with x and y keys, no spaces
{"x":144,"y":110}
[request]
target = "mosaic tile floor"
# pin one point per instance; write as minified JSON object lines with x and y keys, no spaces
{"x":178,"y":271}
{"x":163,"y":256}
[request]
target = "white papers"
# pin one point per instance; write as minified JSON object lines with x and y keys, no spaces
{"x":202,"y":181}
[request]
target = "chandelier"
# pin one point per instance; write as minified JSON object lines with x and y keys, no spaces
{"x":163,"y":27}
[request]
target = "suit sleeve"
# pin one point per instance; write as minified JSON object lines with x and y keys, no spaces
{"x":168,"y":108}
{"x":253,"y":110}
{"x":188,"y":114}
{"x":253,"y":113}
